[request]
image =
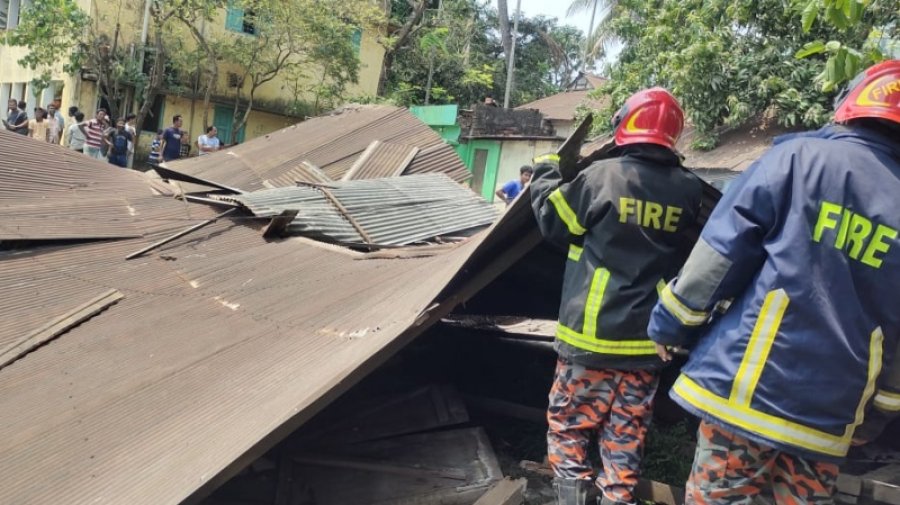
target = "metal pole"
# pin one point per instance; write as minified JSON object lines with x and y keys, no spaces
{"x":510,"y":65}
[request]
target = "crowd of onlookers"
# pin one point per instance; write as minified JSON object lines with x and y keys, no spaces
{"x":102,"y":138}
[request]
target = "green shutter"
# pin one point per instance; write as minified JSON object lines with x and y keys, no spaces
{"x":234,"y":20}
{"x":356,"y":39}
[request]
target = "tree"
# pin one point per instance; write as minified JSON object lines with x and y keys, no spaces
{"x":726,"y":61}
{"x":471,"y":61}
{"x":408,"y":17}
{"x":193,"y":14}
{"x":596,"y":40}
{"x":847,"y":16}
{"x":46,"y":29}
{"x":294,"y":39}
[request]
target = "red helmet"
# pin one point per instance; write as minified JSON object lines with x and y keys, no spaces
{"x":874,"y":93}
{"x":651,"y":116}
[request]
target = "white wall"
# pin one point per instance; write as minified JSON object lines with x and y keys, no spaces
{"x":515,"y":153}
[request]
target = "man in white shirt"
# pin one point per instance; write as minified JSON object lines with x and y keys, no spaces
{"x":130,"y":120}
{"x":75,"y":137}
{"x":209,"y":143}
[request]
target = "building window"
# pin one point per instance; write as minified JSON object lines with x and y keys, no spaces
{"x":238,"y":20}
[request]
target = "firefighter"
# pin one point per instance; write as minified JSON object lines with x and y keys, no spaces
{"x":788,"y":301}
{"x":624,"y":221}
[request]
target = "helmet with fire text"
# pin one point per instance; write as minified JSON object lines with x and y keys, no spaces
{"x":874,"y":93}
{"x":650,"y":116}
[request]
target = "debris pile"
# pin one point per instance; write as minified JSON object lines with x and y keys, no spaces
{"x":374,"y":212}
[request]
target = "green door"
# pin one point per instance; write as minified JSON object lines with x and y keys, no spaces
{"x":222,"y":121}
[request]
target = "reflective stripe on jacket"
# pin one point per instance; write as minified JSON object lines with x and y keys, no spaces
{"x":623,"y":221}
{"x":790,"y":297}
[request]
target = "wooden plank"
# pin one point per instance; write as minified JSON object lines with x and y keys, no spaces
{"x":381,"y":467}
{"x":361,"y":160}
{"x":404,"y":478}
{"x":505,"y":492}
{"x":344,"y":212}
{"x":658,"y":492}
{"x":278,"y":225}
{"x":882,"y":485}
{"x":505,"y":408}
{"x":361,"y":417}
{"x":406,"y":161}
{"x":58,"y":326}
{"x":536,"y":468}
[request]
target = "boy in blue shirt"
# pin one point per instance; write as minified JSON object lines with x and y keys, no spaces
{"x":511,"y":189}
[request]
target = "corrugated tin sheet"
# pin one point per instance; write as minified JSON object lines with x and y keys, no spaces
{"x":435,"y":159}
{"x":391,"y":211}
{"x":223,"y":343}
{"x":49,"y":193}
{"x":382,"y":159}
{"x":562,"y":106}
{"x":332,"y":143}
{"x":75,"y":219}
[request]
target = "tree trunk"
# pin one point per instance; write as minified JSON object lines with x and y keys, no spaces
{"x":505,"y":35}
{"x":386,"y":63}
{"x":154,"y":82}
{"x":430,"y":78}
{"x":415,"y":17}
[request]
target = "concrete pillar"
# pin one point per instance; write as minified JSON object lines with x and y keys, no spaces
{"x":48,"y":94}
{"x":31,"y":100}
{"x":5,"y":92}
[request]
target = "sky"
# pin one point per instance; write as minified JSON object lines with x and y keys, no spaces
{"x":557,"y":9}
{"x":551,"y":8}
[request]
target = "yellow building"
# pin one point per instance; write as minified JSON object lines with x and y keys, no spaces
{"x":126,"y":17}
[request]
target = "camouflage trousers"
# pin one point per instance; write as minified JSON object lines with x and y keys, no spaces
{"x":615,"y":405}
{"x":731,"y":470}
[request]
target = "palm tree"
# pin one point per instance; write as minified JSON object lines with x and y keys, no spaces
{"x":595,"y":42}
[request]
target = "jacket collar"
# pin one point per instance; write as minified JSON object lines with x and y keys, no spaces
{"x":856,"y":134}
{"x":652,"y":153}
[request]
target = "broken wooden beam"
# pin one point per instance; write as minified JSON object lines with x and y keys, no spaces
{"x":277,"y":227}
{"x":505,"y":492}
{"x":657,"y":492}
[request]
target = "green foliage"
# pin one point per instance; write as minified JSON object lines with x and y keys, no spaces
{"x":847,"y":54}
{"x":46,"y":29}
{"x":309,"y":43}
{"x":729,"y":61}
{"x":461,"y":46}
{"x":668,"y":456}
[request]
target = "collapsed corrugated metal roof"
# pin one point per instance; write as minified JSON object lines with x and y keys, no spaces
{"x":221,"y":342}
{"x":330,"y":143}
{"x":389,"y":211}
{"x":38,"y":203}
{"x":381,"y":159}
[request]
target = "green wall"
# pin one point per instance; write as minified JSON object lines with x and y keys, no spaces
{"x":488,"y":180}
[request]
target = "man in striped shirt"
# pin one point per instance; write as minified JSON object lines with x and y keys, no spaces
{"x":93,"y":135}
